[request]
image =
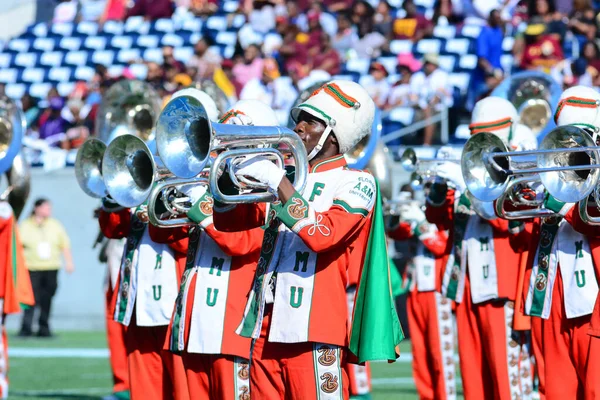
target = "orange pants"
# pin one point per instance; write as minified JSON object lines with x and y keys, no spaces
{"x":493,"y":364}
{"x":432,"y":338}
{"x":572,"y":356}
{"x":217,"y":376}
{"x":4,"y":364}
{"x":538,"y":355}
{"x":154,"y":373}
{"x":296,"y":370}
{"x":115,"y":334}
{"x":359,"y":378}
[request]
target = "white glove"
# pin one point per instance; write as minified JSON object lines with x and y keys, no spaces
{"x":194,"y":192}
{"x":262,"y":170}
{"x":240,"y":119}
{"x":412,"y":213}
{"x":452,"y":173}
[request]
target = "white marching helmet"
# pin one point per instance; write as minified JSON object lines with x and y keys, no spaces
{"x":209,"y":104}
{"x":345,"y":108}
{"x":523,"y":139}
{"x":579,"y":106}
{"x":251,"y":112}
{"x":495,"y":115}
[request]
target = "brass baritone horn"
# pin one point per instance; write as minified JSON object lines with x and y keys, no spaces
{"x":130,"y":169}
{"x":168,"y":192}
{"x":88,"y":168}
{"x":567,"y":163}
{"x":512,"y":196}
{"x":186,"y":139}
{"x":422,"y":169}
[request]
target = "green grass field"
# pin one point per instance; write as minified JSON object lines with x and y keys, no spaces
{"x":35,"y":374}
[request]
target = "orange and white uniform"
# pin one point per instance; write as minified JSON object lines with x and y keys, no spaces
{"x":429,"y":313}
{"x":15,"y":286}
{"x":147,"y":287}
{"x":481,"y":277}
{"x":219,"y":272}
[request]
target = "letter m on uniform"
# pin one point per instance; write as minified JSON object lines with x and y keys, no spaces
{"x":485,"y":243}
{"x":579,"y":249}
{"x":217,"y":263}
{"x":301,"y":259}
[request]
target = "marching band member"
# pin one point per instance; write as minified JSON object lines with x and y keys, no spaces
{"x":481,"y":275}
{"x":429,"y":313}
{"x":562,"y":280}
{"x":15,"y":286}
{"x":219,"y":272}
{"x":297,"y":311}
{"x":147,"y":288}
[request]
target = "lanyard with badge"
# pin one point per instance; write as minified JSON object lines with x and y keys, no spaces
{"x":44,"y":250}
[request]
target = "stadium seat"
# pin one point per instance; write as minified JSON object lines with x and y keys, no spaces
{"x":5,"y":60}
{"x":62,"y":29}
{"x":8,"y":75}
{"x":51,"y":59}
{"x":60,"y":74}
{"x":358,"y":65}
{"x":393,"y":78}
{"x":164,"y":25}
{"x":39,"y":30}
{"x":171,"y":39}
{"x":228,"y":51}
{"x":148,"y":41}
{"x":238,"y":21}
{"x":19,"y":45}
{"x":230,"y":6}
{"x":25,"y":60}
{"x":44,"y":44}
{"x":217,"y":23}
{"x":508,"y":43}
{"x":40,"y":90}
{"x":471,"y":31}
{"x":121,"y":42}
{"x":507,"y":61}
{"x":104,"y":57}
{"x":183,"y":54}
{"x":70,"y":43}
{"x":447,"y":62}
{"x":460,"y":80}
{"x":137,"y":24}
{"x":192,"y":25}
{"x":33,"y":75}
{"x":444,"y":31}
{"x":87,"y":28}
{"x":457,"y":46}
{"x":404,"y":115}
{"x":467,"y":62}
{"x":95,"y":43}
{"x":126,"y":55}
{"x":140,"y":71}
{"x":226,"y":38}
{"x":76,"y":58}
{"x":84,"y":73}
{"x":153,"y":55}
{"x":347,"y":77}
{"x":113,"y":27}
{"x":65,"y":88}
{"x":116,"y":70}
{"x":401,"y":46}
{"x":426,"y":46}
{"x":390,"y":64}
{"x":15,"y":90}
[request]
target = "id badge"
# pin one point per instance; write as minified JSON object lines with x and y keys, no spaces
{"x":44,"y":251}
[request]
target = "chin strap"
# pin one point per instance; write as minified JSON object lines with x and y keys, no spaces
{"x":319,"y":145}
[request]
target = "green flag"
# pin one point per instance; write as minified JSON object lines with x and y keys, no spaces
{"x":395,"y":280}
{"x":376,"y":332}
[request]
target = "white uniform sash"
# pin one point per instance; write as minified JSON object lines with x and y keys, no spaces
{"x":424,"y":269}
{"x":483,"y":275}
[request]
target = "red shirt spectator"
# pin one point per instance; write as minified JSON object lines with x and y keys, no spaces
{"x":414,"y":26}
{"x":151,"y":9}
{"x":327,"y":59}
{"x":542,"y":51}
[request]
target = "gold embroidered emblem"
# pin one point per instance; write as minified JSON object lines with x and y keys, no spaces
{"x":142,"y":215}
{"x":327,"y":356}
{"x":511,"y":305}
{"x":545,"y":238}
{"x":243,"y":372}
{"x":206,"y":207}
{"x":540,"y":282}
{"x":450,"y":376}
{"x":513,"y":344}
{"x":447,"y":346}
{"x":297,"y":209}
{"x":514,"y":380}
{"x":268,"y":240}
{"x":513,"y":361}
{"x":445,"y":315}
{"x":244,"y":393}
{"x":331,"y":382}
{"x":449,"y":361}
{"x":444,"y":301}
{"x":446,"y":331}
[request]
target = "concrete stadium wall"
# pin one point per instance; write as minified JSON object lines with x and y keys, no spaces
{"x":79,"y":302}
{"x":16,"y":15}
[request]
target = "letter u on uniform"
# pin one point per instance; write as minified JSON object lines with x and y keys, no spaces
{"x":296,"y":302}
{"x":209,"y":302}
{"x":582,"y":282}
{"x":154,"y":294}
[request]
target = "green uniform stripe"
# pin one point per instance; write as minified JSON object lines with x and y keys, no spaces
{"x":316,"y":110}
{"x":547,"y":236}
{"x":319,"y":164}
{"x":350,"y":209}
{"x":460,"y":225}
{"x":341,"y":96}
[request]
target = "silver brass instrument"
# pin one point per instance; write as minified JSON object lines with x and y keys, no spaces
{"x":209,"y":87}
{"x":422,"y":169}
{"x":166,"y":191}
{"x":584,"y":211}
{"x":128,"y":107}
{"x":88,"y":168}
{"x":567,"y":163}
{"x":130,"y":170}
{"x":513,"y":195}
{"x":186,"y":140}
{"x":12,"y":163}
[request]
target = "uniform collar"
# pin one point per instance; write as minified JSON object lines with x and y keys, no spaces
{"x":329,"y":163}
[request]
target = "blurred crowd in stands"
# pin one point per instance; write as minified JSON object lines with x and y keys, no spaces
{"x":283,"y":46}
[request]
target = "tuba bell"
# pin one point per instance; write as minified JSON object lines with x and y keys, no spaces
{"x":128,"y":107}
{"x":187,"y":141}
{"x":88,"y":168}
{"x":130,"y":168}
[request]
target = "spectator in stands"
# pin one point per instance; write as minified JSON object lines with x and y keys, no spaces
{"x":505,"y":7}
{"x":369,"y":42}
{"x":430,"y":91}
{"x":250,"y":67}
{"x":362,"y":17}
{"x":114,"y":10}
{"x":156,"y":77}
{"x":151,"y":9}
{"x":384,"y":22}
{"x":488,"y":73}
{"x":199,"y":8}
{"x":326,"y":58}
{"x":293,"y":49}
{"x":400,"y":93}
{"x":30,"y":109}
{"x":169,"y":60}
{"x":54,"y":127}
{"x":582,"y":20}
{"x":91,"y":10}
{"x":592,"y":54}
{"x":376,"y":84}
{"x":314,"y":33}
{"x":413,"y":26}
{"x":65,"y":11}
{"x":345,"y":38}
{"x":78,"y":131}
{"x":443,"y":14}
{"x":574,"y":72}
{"x":261,"y":13}
{"x":227,"y":82}
{"x":205,"y":60}
{"x":542,"y":51}
{"x":326,"y":20}
{"x":544,"y":12}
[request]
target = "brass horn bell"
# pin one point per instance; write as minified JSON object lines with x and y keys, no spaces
{"x":88,"y":168}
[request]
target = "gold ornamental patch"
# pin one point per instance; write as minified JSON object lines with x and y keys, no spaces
{"x":327,"y":356}
{"x":297,"y":209}
{"x":330,"y":383}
